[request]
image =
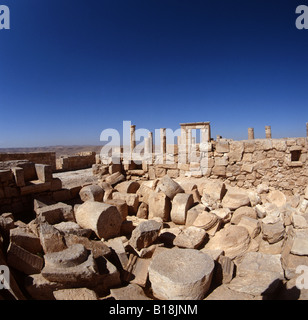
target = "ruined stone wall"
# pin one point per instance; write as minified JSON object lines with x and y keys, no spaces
{"x":48,"y":158}
{"x":280,"y":163}
{"x":82,"y":160}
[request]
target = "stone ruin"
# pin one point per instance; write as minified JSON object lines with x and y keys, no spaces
{"x":163,"y":233}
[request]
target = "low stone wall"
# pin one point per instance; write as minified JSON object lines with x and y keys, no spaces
{"x":280,"y":163}
{"x":79,"y":161}
{"x":48,"y":158}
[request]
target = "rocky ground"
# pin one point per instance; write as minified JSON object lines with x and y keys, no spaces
{"x":162,"y":239}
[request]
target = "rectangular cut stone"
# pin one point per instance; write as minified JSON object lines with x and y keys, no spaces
{"x":44,"y":172}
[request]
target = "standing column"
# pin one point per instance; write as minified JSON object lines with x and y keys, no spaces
{"x":268,"y":132}
{"x":132,"y":138}
{"x":163,"y":145}
{"x":251,"y":133}
{"x":307,"y":129}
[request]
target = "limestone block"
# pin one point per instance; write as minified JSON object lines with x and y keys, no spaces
{"x":26,"y":239}
{"x":159,"y":206}
{"x":51,"y":239}
{"x":70,"y":227}
{"x":130,"y":292}
{"x":181,"y":203}
{"x":206,"y":220}
{"x":273,"y":232}
{"x":127,"y":186}
{"x":24,"y":260}
{"x":75,"y":294}
{"x":306,"y":193}
{"x":143,"y":211}
{"x":72,"y":265}
{"x":233,"y":239}
{"x":169,"y":187}
{"x":131,"y":199}
{"x":144,"y":193}
{"x":181,"y":274}
{"x":214,"y":189}
{"x":19,"y":176}
{"x":234,"y":200}
{"x":243,"y":211}
{"x":115,"y":178}
{"x":251,"y":224}
{"x":222,"y":146}
{"x":92,"y":192}
{"x":191,"y":238}
{"x":104,"y":219}
{"x":55,"y":213}
{"x":277,"y":197}
{"x":121,"y":205}
{"x":193,"y":213}
{"x":43,"y":172}
{"x":145,"y":234}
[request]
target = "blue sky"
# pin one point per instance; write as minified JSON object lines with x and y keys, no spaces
{"x":72,"y":68}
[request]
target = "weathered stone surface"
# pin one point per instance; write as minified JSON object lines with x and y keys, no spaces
{"x":51,"y":239}
{"x":299,"y":222}
{"x":70,"y":227}
{"x":306,"y":193}
{"x":243,"y":211}
{"x":206,"y":220}
{"x":132,"y":200}
{"x":144,"y":193}
{"x":26,"y":239}
{"x":181,"y":203}
{"x":23,"y":260}
{"x":225,"y":269}
{"x":191,"y":238}
{"x":277,"y":197}
{"x":214,"y":190}
{"x":115,"y":178}
{"x":181,"y":274}
{"x":130,"y":292}
{"x":104,"y":219}
{"x":169,"y":187}
{"x":258,"y":274}
{"x":143,"y":211}
{"x":92,"y":192}
{"x":193,"y":213}
{"x":252,"y":225}
{"x":234,"y":200}
{"x":145,"y":234}
{"x":127,"y":187}
{"x":72,"y":265}
{"x":56,"y":213}
{"x":159,"y":206}
{"x":273,"y":232}
{"x":224,"y":293}
{"x":121,"y":205}
{"x":233,"y":240}
{"x":75,"y":294}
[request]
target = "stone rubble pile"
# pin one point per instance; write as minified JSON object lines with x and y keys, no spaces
{"x":159,"y":239}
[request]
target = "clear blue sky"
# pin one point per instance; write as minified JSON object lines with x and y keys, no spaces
{"x":72,"y":68}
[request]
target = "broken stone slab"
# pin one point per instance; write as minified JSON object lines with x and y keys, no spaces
{"x":277,"y":197}
{"x":75,"y":294}
{"x":104,"y":219}
{"x":51,"y":238}
{"x":167,"y":235}
{"x":24,"y":238}
{"x":127,"y":186}
{"x":145,"y":234}
{"x":131,"y":199}
{"x":273,"y":233}
{"x":258,"y":274}
{"x":193,"y":213}
{"x":300,"y":243}
{"x":72,"y":265}
{"x":243,"y":211}
{"x":224,"y":214}
{"x":144,"y":193}
{"x":225,"y":270}
{"x":19,"y":176}
{"x":306,"y":193}
{"x":43,"y":172}
{"x":169,"y":187}
{"x":299,"y":222}
{"x":206,"y":220}
{"x":224,"y":293}
{"x":143,"y":211}
{"x":181,"y":203}
{"x":181,"y":274}
{"x":130,"y":292}
{"x":117,"y":245}
{"x":23,"y":260}
{"x":233,"y":240}
{"x":56,"y":213}
{"x":215,"y":190}
{"x":140,"y":272}
{"x":92,"y":192}
{"x":191,"y":238}
{"x":235,"y":199}
{"x":252,"y":225}
{"x":159,"y":206}
{"x":70,"y":227}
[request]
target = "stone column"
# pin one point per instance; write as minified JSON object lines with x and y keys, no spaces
{"x":188,"y":140}
{"x":307,"y":129}
{"x":163,"y":145}
{"x":251,"y":133}
{"x":268,"y":132}
{"x":205,"y":135}
{"x":132,"y":138}
{"x":151,"y":142}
